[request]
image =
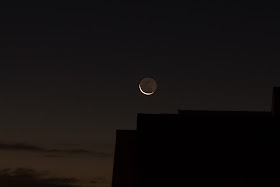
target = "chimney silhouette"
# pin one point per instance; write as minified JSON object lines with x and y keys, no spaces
{"x":276,"y":102}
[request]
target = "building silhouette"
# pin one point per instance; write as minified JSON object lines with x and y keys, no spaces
{"x":200,"y":148}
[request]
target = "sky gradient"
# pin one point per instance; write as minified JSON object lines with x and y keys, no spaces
{"x":69,"y":75}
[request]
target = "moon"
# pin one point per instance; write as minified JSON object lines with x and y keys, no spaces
{"x":148,"y":86}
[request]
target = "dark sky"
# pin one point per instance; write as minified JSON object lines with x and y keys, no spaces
{"x":69,"y":72}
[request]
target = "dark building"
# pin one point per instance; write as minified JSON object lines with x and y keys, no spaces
{"x":200,"y":148}
{"x":123,"y":159}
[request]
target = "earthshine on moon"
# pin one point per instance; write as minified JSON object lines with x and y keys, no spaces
{"x":148,"y":86}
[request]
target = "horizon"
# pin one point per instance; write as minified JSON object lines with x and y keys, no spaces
{"x":70,"y":75}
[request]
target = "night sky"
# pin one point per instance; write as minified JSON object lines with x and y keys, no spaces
{"x":69,"y":75}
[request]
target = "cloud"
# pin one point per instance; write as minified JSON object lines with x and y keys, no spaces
{"x":53,"y":152}
{"x":54,"y":156}
{"x":19,"y":147}
{"x":96,"y":180}
{"x":76,"y":152}
{"x":24,"y":177}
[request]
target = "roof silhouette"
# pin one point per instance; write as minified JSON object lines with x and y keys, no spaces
{"x":200,"y":148}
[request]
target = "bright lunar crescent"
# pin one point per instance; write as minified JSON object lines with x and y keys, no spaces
{"x":148,"y":86}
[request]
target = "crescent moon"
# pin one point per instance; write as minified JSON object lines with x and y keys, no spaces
{"x":145,"y":92}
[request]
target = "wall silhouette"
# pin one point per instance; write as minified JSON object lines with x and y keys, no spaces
{"x":123,"y":159}
{"x":201,"y":148}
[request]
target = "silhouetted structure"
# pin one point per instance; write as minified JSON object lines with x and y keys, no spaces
{"x":123,"y":161}
{"x":200,"y":148}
